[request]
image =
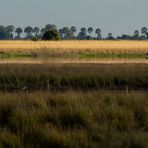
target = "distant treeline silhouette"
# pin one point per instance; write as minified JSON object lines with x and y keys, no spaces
{"x":65,"y":33}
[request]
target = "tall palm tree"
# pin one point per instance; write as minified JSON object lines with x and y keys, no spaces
{"x":83,"y":33}
{"x":3,"y":33}
{"x":90,"y":30}
{"x":83,"y":30}
{"x":66,"y":32}
{"x":73,"y":29}
{"x":36,"y":30}
{"x":136,"y":34}
{"x":18,"y":31}
{"x":144,"y":31}
{"x":10,"y":29}
{"x":98,"y":32}
{"x":2,"y":28}
{"x":28,"y":30}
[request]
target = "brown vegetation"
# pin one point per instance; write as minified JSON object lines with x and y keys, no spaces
{"x":74,"y":120}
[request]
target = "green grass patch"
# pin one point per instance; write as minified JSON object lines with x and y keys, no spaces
{"x":51,"y":54}
{"x":96,"y":55}
{"x":14,"y":55}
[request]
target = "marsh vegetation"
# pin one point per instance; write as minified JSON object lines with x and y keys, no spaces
{"x":73,"y":94}
{"x":74,"y":119}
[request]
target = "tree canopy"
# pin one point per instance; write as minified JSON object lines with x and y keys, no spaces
{"x":66,"y":33}
{"x":51,"y":34}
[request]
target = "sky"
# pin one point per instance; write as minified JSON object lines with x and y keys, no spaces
{"x":116,"y":16}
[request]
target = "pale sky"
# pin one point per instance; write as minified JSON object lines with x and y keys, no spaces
{"x":116,"y":16}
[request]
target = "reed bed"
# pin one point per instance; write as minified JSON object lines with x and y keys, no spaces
{"x":73,"y":77}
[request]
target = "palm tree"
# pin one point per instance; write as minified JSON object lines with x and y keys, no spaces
{"x":98,"y":32}
{"x":83,"y":33}
{"x":144,"y":31}
{"x":10,"y":29}
{"x":18,"y":31}
{"x":28,"y":30}
{"x":67,"y":33}
{"x":36,"y":30}
{"x":83,"y":30}
{"x":2,"y":28}
{"x":90,"y":30}
{"x":73,"y":30}
{"x":3,"y":33}
{"x":136,"y":34}
{"x":61,"y":33}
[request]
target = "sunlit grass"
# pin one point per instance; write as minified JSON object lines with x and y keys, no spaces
{"x":118,"y":46}
{"x":30,"y":52}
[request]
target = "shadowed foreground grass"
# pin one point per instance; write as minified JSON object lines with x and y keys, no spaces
{"x":74,"y":76}
{"x":74,"y":119}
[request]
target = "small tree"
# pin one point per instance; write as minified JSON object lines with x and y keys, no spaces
{"x":110,"y":36}
{"x":51,"y":34}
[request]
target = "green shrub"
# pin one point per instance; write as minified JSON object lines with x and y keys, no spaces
{"x":51,"y":34}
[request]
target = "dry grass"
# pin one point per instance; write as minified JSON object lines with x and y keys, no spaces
{"x":115,"y":46}
{"x":73,"y":52}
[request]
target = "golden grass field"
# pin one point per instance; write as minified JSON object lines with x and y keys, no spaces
{"x":72,"y":51}
{"x":76,"y":45}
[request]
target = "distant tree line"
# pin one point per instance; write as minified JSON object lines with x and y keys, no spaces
{"x":51,"y":32}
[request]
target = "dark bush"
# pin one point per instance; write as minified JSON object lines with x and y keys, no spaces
{"x":51,"y":34}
